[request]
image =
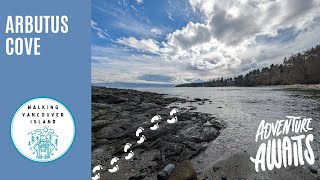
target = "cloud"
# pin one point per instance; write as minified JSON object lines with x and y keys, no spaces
{"x":232,"y":22}
{"x":139,"y":1}
{"x":115,"y":64}
{"x":231,"y":38}
{"x":188,"y":36}
{"x":170,"y":16}
{"x":100,"y":33}
{"x":127,"y":19}
{"x":156,"y":78}
{"x":134,"y":8}
{"x":180,"y":10}
{"x":205,"y":7}
{"x":124,"y":21}
{"x":230,"y":30}
{"x":156,"y":31}
{"x":144,"y":45}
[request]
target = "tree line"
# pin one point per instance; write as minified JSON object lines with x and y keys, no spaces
{"x":300,"y":68}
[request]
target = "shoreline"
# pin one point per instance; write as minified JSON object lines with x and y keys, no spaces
{"x":152,"y":158}
{"x":291,"y":86}
{"x":306,"y":86}
{"x":301,"y":86}
{"x":116,"y":115}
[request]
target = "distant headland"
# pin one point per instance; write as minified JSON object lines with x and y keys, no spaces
{"x":300,"y":68}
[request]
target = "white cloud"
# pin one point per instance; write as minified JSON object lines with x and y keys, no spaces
{"x":206,"y":7}
{"x":134,"y":8}
{"x":222,"y":43}
{"x":145,"y":45}
{"x":114,"y":64}
{"x":156,"y":31}
{"x":170,"y":16}
{"x":136,"y":25}
{"x":226,"y":42}
{"x":139,"y":1}
{"x":100,"y":33}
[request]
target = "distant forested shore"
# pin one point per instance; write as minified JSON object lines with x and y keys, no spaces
{"x":301,"y":68}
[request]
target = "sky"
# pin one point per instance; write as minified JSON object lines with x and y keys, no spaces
{"x":183,"y":41}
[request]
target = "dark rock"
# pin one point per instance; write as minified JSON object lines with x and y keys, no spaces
{"x":193,"y":108}
{"x":110,"y":99}
{"x":197,"y":99}
{"x":96,"y":125}
{"x":146,"y":106}
{"x":207,"y":124}
{"x":140,"y":176}
{"x":171,"y":107}
{"x":217,"y":125}
{"x":200,"y":134}
{"x":215,"y":169}
{"x":183,"y":171}
{"x":314,"y":171}
{"x":101,"y":141}
{"x":157,"y":157}
{"x":166,"y":172}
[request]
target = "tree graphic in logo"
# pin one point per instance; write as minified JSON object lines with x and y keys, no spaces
{"x":43,"y":142}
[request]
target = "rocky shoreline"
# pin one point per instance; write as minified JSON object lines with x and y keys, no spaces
{"x":118,"y":113}
{"x":301,"y":86}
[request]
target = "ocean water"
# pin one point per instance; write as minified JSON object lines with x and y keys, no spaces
{"x":242,"y":109}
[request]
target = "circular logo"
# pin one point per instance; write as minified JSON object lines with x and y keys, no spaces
{"x":42,"y":129}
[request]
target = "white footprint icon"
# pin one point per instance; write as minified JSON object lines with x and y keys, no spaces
{"x":173,"y":111}
{"x":154,"y":127}
{"x":96,"y":177}
{"x":155,"y":118}
{"x":114,"y":160}
{"x":114,"y":169}
{"x":141,"y":140}
{"x":173,"y":120}
{"x":139,"y":130}
{"x":129,"y":156}
{"x":96,"y":168}
{"x":126,"y":147}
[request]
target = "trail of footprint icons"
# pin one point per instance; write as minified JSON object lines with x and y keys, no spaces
{"x":142,"y":139}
